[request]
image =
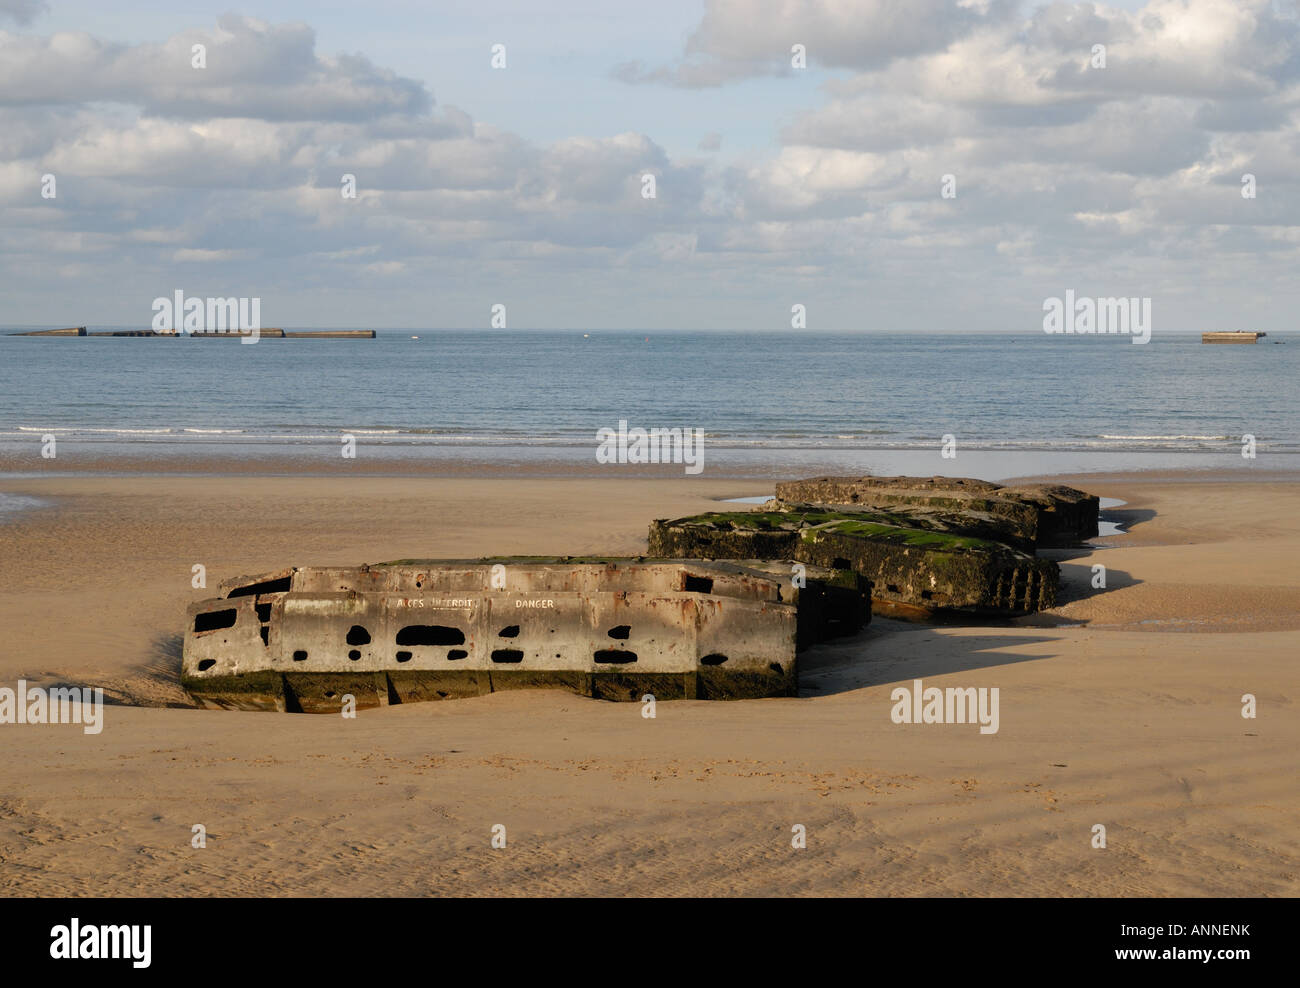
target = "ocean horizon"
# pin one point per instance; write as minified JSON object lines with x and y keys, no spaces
{"x":797,"y":398}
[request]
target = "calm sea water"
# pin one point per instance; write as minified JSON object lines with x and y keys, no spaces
{"x":521,"y":392}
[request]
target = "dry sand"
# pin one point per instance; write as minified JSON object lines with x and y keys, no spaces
{"x":1120,"y":708}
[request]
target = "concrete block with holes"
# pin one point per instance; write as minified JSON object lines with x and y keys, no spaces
{"x":302,"y":639}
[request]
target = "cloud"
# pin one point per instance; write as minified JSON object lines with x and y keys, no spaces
{"x":1127,"y":175}
{"x":22,"y":11}
{"x":166,"y":173}
{"x":253,"y":70}
{"x":738,"y":39}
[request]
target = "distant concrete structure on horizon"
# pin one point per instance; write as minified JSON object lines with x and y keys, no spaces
{"x":1232,"y":336}
{"x":266,"y":334}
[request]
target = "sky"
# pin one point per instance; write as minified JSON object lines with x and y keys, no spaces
{"x":931,"y":164}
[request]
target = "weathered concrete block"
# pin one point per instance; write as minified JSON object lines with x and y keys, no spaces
{"x":1066,"y":515}
{"x":1017,"y":526}
{"x":832,"y":488}
{"x":1026,"y":516}
{"x":922,"y":569}
{"x":302,"y":639}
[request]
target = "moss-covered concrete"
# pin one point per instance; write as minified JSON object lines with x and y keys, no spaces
{"x":920,"y":567}
{"x":250,"y":691}
{"x":1026,"y":516}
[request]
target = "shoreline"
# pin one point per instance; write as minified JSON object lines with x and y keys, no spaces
{"x":725,"y":464}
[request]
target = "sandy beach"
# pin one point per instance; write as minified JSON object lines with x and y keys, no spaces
{"x":1120,"y":707}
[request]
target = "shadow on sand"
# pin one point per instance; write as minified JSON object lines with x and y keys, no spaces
{"x":1128,"y":518}
{"x":891,"y":651}
{"x":1078,"y":582}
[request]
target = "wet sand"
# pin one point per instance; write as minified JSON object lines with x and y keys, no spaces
{"x":1122,"y":707}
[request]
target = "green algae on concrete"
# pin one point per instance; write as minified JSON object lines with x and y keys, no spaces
{"x":928,"y":569}
{"x":1027,"y":516}
{"x":889,"y":532}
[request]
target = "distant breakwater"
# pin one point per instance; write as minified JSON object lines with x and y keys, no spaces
{"x":273,"y":334}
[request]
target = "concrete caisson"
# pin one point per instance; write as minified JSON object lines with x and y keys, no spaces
{"x":302,"y":639}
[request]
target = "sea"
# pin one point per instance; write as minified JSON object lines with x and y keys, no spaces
{"x":989,"y":405}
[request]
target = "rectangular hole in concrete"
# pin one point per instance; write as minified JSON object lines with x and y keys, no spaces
{"x":615,"y":656}
{"x":697,"y":584}
{"x":268,"y":586}
{"x":214,"y":620}
{"x":430,"y":634}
